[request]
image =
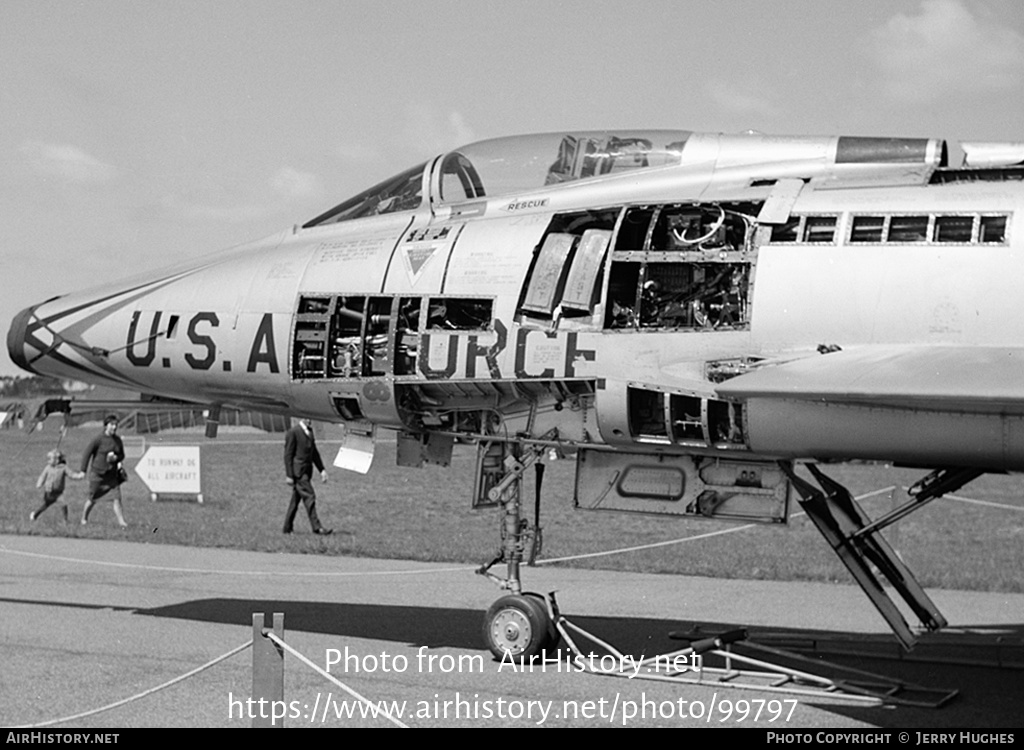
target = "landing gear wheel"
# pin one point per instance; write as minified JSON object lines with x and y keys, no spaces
{"x":517,"y":625}
{"x":554,"y":638}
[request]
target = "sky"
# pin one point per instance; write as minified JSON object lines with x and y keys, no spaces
{"x":136,"y":134}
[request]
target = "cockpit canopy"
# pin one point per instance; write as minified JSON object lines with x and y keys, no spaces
{"x":512,"y":166}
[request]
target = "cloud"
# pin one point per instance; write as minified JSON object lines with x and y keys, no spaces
{"x":429,"y":132}
{"x":460,"y":128}
{"x":733,"y":99}
{"x":945,"y":49}
{"x":66,"y":162}
{"x":296,"y":185}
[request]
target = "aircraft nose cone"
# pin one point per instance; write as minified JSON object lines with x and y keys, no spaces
{"x":16,"y":338}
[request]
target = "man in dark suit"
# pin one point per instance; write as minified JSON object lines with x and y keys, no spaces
{"x":300,"y":456}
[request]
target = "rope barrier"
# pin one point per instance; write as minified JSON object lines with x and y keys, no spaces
{"x":646,"y":546}
{"x":374,"y":708}
{"x":260,"y":573}
{"x":547,"y":561}
{"x":697,"y":537}
{"x":987,"y":503}
{"x":143,"y":694}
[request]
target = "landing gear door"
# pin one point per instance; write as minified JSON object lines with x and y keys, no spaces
{"x":668,"y":485}
{"x":357,"y":447}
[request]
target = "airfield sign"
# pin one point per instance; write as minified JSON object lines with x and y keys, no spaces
{"x":171,"y":469}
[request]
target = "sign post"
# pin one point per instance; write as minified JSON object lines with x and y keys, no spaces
{"x":171,"y":469}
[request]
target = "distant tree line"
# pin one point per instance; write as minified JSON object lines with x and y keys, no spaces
{"x":30,"y":386}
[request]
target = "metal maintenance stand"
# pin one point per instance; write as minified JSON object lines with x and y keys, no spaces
{"x":748,"y":672}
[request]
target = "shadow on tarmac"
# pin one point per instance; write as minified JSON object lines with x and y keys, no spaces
{"x":988,"y":696}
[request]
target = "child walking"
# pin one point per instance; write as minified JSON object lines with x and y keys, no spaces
{"x":52,"y":482}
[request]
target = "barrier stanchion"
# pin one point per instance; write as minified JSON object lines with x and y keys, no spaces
{"x":267,"y":670}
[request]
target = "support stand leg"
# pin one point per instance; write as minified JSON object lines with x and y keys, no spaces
{"x":267,"y":672}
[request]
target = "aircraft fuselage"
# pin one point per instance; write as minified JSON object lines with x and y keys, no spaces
{"x":621,"y":299}
{"x":687,"y":313}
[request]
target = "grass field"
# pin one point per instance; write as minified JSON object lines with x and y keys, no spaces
{"x":424,"y":514}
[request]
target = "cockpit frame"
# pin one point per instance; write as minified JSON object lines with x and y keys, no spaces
{"x":509,"y":167}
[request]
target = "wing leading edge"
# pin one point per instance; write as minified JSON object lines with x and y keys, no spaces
{"x":970,"y":379}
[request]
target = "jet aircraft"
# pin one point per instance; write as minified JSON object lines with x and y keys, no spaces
{"x":691,"y":316}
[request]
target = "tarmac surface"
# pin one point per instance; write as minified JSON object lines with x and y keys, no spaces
{"x":84,"y":624}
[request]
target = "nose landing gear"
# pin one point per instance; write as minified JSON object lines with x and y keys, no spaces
{"x":518,"y":624}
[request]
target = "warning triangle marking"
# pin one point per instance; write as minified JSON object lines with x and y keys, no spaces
{"x":416,"y":258}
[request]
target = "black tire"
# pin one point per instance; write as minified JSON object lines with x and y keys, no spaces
{"x":517,"y":626}
{"x":554,"y":638}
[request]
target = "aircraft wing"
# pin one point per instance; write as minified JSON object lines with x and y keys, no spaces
{"x":979,"y":379}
